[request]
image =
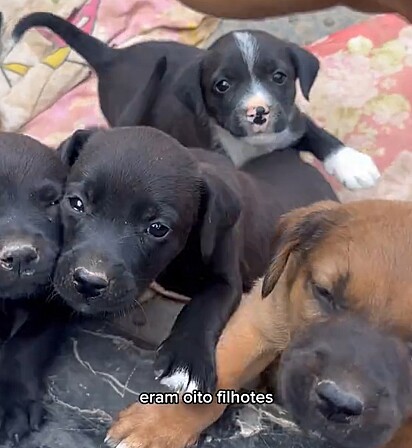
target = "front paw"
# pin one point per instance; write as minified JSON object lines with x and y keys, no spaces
{"x":186,"y":365}
{"x":354,"y":169}
{"x":152,"y":426}
{"x":19,"y":418}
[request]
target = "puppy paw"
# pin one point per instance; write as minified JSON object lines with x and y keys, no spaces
{"x":21,"y":406}
{"x":184,"y":367}
{"x":151,"y":426}
{"x":20,"y":419}
{"x":352,"y":168}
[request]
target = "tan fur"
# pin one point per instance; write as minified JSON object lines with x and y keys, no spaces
{"x":370,"y":242}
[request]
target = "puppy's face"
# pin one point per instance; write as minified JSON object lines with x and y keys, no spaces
{"x":247,"y":83}
{"x":134,"y":197}
{"x":334,"y":260}
{"x":31,"y":185}
{"x":348,"y":381}
{"x":130,"y":202}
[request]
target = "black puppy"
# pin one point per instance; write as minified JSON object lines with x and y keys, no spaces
{"x":348,"y":381}
{"x":31,"y":184}
{"x":237,"y":97}
{"x":139,"y":206}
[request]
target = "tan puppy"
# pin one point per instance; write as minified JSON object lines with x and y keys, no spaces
{"x":246,"y":9}
{"x":330,"y":258}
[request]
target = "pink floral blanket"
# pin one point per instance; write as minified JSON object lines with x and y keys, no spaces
{"x":46,"y":89}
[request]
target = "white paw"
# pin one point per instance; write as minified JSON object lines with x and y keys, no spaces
{"x":352,"y":168}
{"x":110,"y":443}
{"x":179,"y":381}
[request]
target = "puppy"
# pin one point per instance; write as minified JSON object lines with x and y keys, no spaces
{"x":347,"y":381}
{"x":237,"y":97}
{"x":140,"y":207}
{"x":318,"y":274}
{"x":31,"y":185}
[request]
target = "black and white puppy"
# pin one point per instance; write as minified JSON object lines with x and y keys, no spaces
{"x":31,"y":325}
{"x":237,"y":97}
{"x":140,"y":207}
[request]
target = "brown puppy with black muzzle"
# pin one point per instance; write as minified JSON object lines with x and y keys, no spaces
{"x":347,"y":381}
{"x":330,"y":258}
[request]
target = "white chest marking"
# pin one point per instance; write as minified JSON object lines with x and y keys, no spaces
{"x":243,"y":149}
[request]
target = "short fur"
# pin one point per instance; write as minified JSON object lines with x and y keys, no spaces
{"x":31,"y":326}
{"x":331,"y":261}
{"x":347,"y":380}
{"x":254,"y":116}
{"x":217,"y":225}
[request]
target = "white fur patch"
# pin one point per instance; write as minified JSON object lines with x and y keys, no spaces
{"x":109,"y":442}
{"x":243,"y":149}
{"x":249,"y":48}
{"x":179,"y":381}
{"x":122,"y":445}
{"x":256,"y":95}
{"x":352,"y":168}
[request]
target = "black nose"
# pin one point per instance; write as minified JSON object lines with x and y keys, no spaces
{"x":19,"y":257}
{"x":260,"y":110}
{"x":336,"y":404}
{"x":89,"y":283}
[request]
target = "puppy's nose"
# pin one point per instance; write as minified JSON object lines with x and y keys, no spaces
{"x":335,"y":403}
{"x":18,"y":257}
{"x":89,"y":283}
{"x":256,"y":114}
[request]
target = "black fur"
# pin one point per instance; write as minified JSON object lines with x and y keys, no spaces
{"x":348,"y":381}
{"x":185,"y":104}
{"x":31,"y":324}
{"x":221,"y":225}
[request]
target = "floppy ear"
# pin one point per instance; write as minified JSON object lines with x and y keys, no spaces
{"x":140,"y":106}
{"x":297,"y":232}
{"x":70,"y":148}
{"x":307,"y":67}
{"x":188,"y":90}
{"x":222,"y":210}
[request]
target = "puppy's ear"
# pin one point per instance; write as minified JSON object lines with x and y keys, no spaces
{"x":188,"y":90}
{"x":307,"y":67}
{"x":221,"y":210}
{"x":70,"y":148}
{"x":297,"y":232}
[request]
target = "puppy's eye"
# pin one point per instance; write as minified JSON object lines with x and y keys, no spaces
{"x":76,"y":204}
{"x":222,"y":86}
{"x":158,"y":230}
{"x":279,"y":77}
{"x":48,"y":195}
{"x":323,"y":294}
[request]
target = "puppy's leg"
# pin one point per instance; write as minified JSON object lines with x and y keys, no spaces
{"x":186,"y":359}
{"x":23,"y":363}
{"x":352,"y":168}
{"x":244,"y":350}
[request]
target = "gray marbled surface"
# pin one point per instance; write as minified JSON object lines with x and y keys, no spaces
{"x":101,"y":370}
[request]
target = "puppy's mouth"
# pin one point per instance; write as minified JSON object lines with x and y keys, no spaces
{"x":96,"y":306}
{"x":118,"y":298}
{"x":336,"y":426}
{"x":259,"y":124}
{"x":259,"y":120}
{"x":15,"y":286}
